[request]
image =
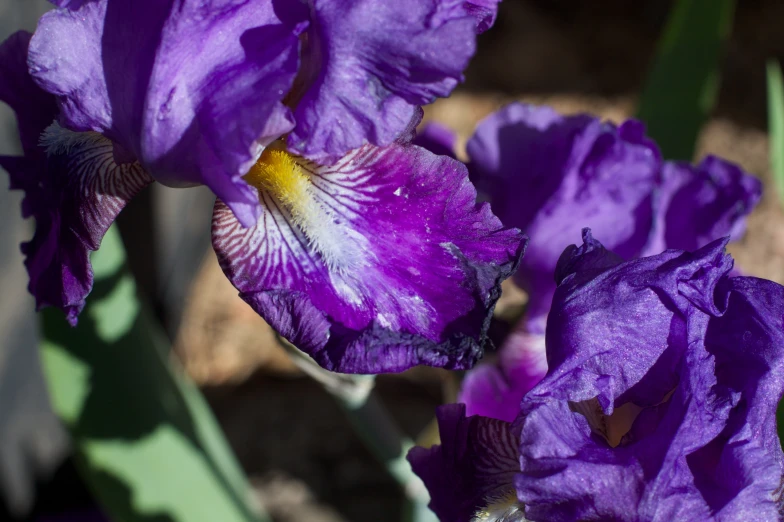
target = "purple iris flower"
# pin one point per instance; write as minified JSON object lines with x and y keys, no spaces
{"x":214,"y":82}
{"x":550,"y":175}
{"x":376,"y":260}
{"x":660,"y":402}
{"x":377,"y":263}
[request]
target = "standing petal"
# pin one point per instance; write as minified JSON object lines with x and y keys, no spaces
{"x":552,"y":175}
{"x":471,"y":472}
{"x":696,"y":205}
{"x":745,"y":480}
{"x":376,"y":264}
{"x":369,"y":64}
{"x":192,"y":90}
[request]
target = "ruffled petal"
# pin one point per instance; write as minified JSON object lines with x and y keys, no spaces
{"x":71,"y":184}
{"x":740,"y":473}
{"x":368,"y":64}
{"x":192,"y":91}
{"x":664,"y":379}
{"x":698,"y":204}
{"x":66,"y":60}
{"x":653,"y":291}
{"x":496,"y":390}
{"x":472,"y":470}
{"x":552,"y":175}
{"x":376,"y":264}
{"x":74,"y":193}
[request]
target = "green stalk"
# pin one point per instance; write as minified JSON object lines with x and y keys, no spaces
{"x":146,"y":442}
{"x":373,"y":423}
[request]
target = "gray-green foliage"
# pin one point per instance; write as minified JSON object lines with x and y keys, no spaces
{"x":776,"y":125}
{"x":146,"y":441}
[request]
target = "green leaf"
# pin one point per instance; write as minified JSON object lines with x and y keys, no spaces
{"x":683,"y":82}
{"x":776,"y":137}
{"x":146,"y":441}
{"x":776,"y":125}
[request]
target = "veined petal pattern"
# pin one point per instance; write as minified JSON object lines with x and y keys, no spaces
{"x":381,"y":262}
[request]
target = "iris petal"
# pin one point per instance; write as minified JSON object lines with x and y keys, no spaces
{"x":484,"y":11}
{"x":495,"y":390}
{"x":551,"y":175}
{"x":72,"y":184}
{"x":381,"y":261}
{"x":470,"y":474}
{"x":370,"y":63}
{"x":74,"y":194}
{"x":437,"y":138}
{"x":693,"y":357}
{"x":699,"y":203}
{"x":191,"y":89}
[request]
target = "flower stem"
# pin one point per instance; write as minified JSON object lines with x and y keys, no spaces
{"x":373,"y":423}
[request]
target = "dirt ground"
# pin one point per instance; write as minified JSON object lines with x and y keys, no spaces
{"x":303,"y":458}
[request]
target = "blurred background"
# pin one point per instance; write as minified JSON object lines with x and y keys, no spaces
{"x":302,"y":457}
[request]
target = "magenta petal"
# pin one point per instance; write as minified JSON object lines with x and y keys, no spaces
{"x":496,"y":390}
{"x":474,"y":465}
{"x":369,"y":64}
{"x":193,"y":90}
{"x":386,"y":262}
